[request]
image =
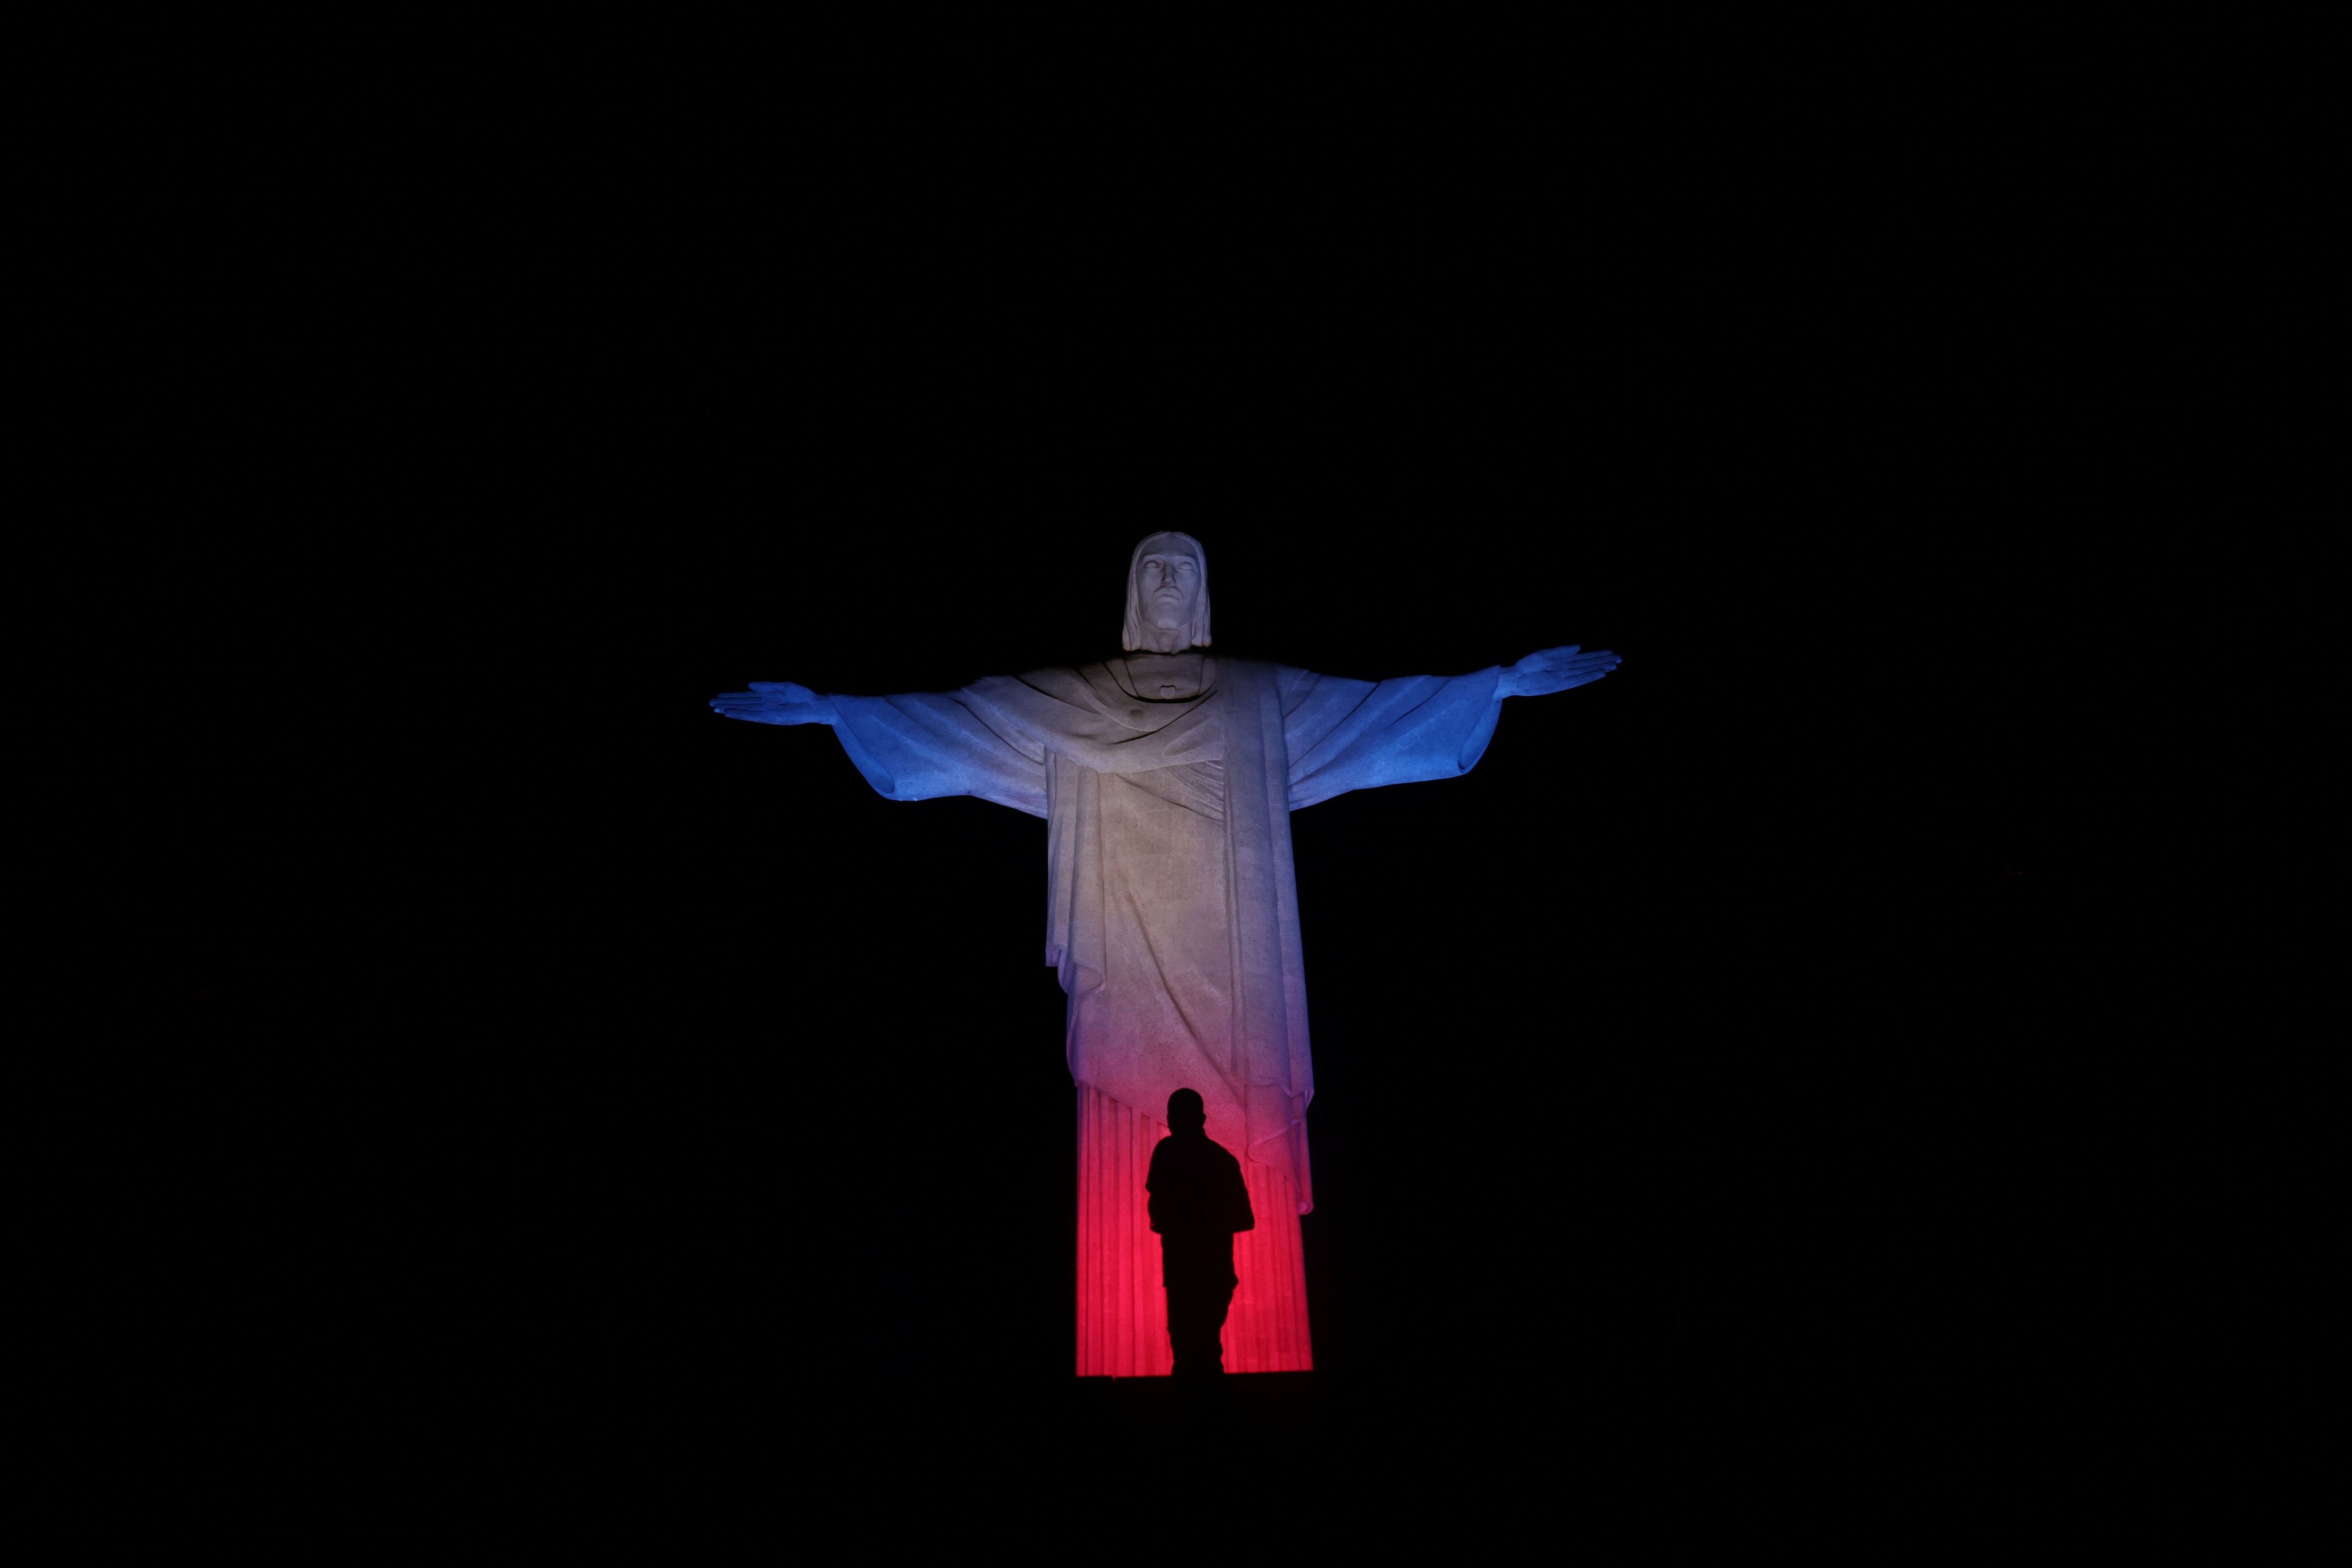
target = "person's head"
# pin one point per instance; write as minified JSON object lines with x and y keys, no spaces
{"x":1166,"y":595}
{"x":1187,"y":1112}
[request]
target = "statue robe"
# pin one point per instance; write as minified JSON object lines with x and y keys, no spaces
{"x":1172,"y":911}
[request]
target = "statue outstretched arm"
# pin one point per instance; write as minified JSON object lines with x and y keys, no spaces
{"x":914,"y":746}
{"x":1555,"y":669}
{"x":777,"y":702}
{"x":1346,"y":734}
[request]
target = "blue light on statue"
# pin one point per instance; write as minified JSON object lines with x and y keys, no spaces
{"x":1167,"y":777}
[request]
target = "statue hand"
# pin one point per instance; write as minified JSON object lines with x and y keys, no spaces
{"x":776,"y":703}
{"x":1555,"y":669}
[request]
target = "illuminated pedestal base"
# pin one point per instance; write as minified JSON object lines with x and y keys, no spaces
{"x":1122,"y":1309}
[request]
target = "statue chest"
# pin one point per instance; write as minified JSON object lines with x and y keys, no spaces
{"x":1145,"y":679}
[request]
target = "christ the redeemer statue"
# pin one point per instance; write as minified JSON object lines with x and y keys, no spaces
{"x":1166,"y":778}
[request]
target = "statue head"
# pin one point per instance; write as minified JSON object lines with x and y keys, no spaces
{"x":1166,"y":595}
{"x":1187,"y":1112}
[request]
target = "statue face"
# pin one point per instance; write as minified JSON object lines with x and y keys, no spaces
{"x":1168,"y":581}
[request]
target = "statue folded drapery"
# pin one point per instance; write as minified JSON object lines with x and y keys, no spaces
{"x":1173,"y":912}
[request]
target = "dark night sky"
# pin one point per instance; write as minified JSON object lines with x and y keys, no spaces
{"x":576,"y":1028}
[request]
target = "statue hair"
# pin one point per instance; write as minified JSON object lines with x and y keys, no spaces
{"x":1132,"y":638}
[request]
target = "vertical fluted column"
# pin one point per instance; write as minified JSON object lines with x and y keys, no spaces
{"x":1122,"y":1307}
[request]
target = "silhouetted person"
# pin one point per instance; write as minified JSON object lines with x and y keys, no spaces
{"x":1198,"y":1202}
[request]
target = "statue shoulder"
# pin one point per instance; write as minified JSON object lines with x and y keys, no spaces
{"x":1262,"y":670}
{"x":1088,"y":685}
{"x":1062,"y":683}
{"x":1094,"y":684}
{"x":1286,"y":678}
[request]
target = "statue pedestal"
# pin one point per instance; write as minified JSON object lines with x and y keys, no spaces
{"x":1122,"y":1307}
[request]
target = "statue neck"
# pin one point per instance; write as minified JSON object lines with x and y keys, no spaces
{"x":1162,"y":639}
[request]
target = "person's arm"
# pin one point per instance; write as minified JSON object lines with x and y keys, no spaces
{"x":1238,"y":1214}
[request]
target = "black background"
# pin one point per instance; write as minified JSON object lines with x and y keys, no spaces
{"x":1707,"y":1059}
